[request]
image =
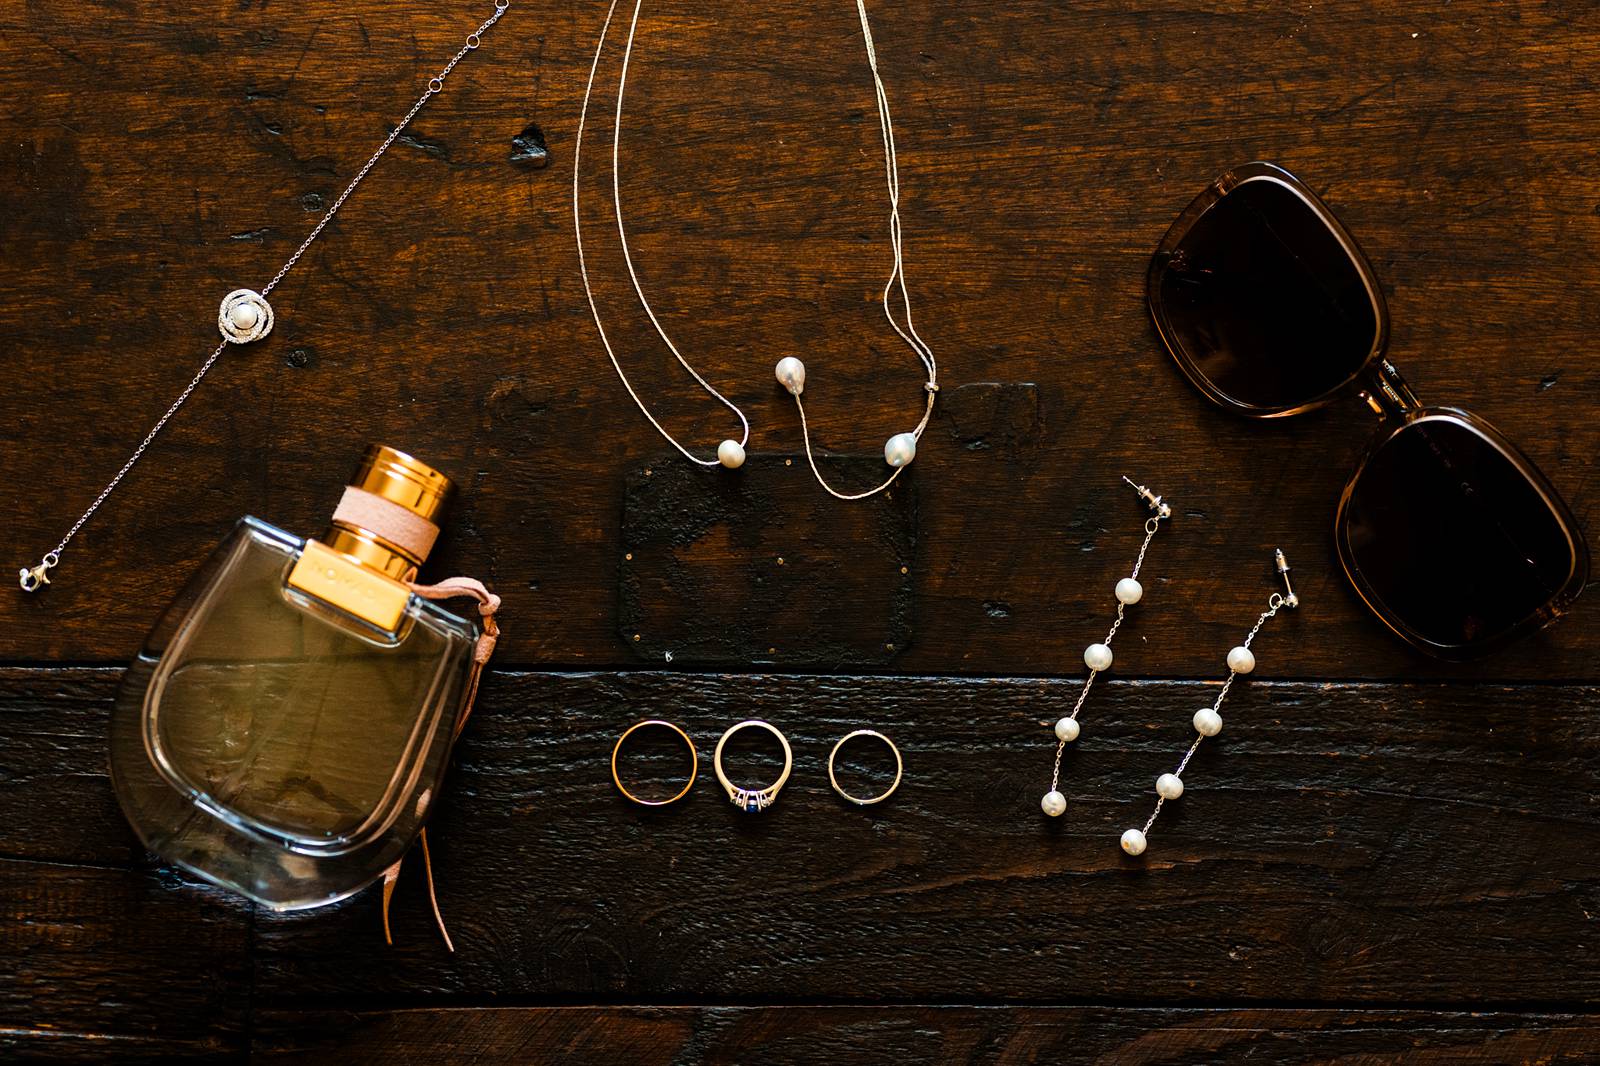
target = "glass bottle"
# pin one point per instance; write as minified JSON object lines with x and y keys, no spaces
{"x":289,"y":720}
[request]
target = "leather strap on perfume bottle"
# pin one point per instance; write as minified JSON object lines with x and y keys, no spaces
{"x":488,"y":604}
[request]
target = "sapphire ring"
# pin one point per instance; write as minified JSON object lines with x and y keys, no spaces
{"x":753,"y":800}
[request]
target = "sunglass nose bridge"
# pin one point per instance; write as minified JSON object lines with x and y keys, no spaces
{"x":1386,"y":392}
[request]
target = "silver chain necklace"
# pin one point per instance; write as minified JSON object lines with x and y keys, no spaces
{"x":245,"y":315}
{"x":901,"y":448}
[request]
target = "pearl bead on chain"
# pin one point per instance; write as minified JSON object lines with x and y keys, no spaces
{"x":730,"y":453}
{"x":900,"y":449}
{"x":1097,"y":657}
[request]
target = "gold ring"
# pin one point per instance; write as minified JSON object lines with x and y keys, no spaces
{"x":694,"y":763}
{"x":762,"y":798}
{"x":899,"y":767}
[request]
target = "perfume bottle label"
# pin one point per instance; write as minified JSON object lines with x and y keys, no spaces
{"x":367,"y":594}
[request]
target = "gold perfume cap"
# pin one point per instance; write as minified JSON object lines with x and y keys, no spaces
{"x":387,"y":518}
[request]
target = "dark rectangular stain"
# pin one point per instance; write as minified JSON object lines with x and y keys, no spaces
{"x":759,"y":565}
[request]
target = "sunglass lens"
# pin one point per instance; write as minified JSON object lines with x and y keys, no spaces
{"x":1264,"y":300}
{"x":1446,"y":534}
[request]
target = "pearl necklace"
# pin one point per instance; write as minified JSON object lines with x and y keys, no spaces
{"x":245,"y":316}
{"x":901,"y":448}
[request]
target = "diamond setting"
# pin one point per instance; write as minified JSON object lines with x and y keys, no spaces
{"x":244,"y":316}
{"x":751,"y":802}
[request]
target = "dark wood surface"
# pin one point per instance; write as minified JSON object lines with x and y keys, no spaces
{"x":1382,"y":858}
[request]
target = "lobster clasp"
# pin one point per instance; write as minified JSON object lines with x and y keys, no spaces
{"x":32,"y":579}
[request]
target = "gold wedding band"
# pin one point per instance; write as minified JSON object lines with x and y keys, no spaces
{"x":759,"y":799}
{"x":694,"y":763}
{"x":899,"y":767}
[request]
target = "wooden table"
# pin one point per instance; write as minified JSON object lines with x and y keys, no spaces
{"x":1383,"y":857}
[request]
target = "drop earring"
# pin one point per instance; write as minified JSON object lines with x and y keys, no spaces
{"x":1208,"y":719}
{"x":1097,"y":657}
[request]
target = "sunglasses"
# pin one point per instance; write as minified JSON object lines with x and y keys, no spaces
{"x":1448,"y":532}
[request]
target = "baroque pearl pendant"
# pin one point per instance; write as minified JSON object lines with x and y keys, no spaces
{"x":791,"y":374}
{"x":1207,"y":722}
{"x":244,"y":316}
{"x":900,"y":449}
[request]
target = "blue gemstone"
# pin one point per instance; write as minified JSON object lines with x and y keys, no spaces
{"x":752,"y":806}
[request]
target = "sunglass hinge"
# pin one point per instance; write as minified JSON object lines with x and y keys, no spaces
{"x":1387,"y":393}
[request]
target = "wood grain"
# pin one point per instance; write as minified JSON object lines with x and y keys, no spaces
{"x":159,"y":156}
{"x":642,"y":1036}
{"x":1354,"y":844}
{"x":114,"y":964}
{"x":1382,"y":858}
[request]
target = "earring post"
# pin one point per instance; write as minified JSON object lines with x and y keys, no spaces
{"x":1290,"y":599}
{"x":1151,"y":500}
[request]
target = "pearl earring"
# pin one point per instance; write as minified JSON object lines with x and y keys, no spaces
{"x":1208,"y":720}
{"x":1097,"y":657}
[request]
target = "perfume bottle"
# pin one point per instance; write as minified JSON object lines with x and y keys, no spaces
{"x":288,"y":722}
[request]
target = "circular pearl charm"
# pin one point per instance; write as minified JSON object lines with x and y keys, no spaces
{"x":1129,"y":591}
{"x":1207,"y":722}
{"x":1169,"y":786}
{"x":730,"y":453}
{"x":900,"y":449}
{"x":1097,"y":657}
{"x":1067,"y":730}
{"x":244,"y":316}
{"x":1241,"y":660}
{"x":1054,"y":804}
{"x":791,"y":374}
{"x":1133,"y":842}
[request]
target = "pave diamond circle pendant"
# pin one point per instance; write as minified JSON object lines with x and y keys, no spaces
{"x":245,"y":316}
